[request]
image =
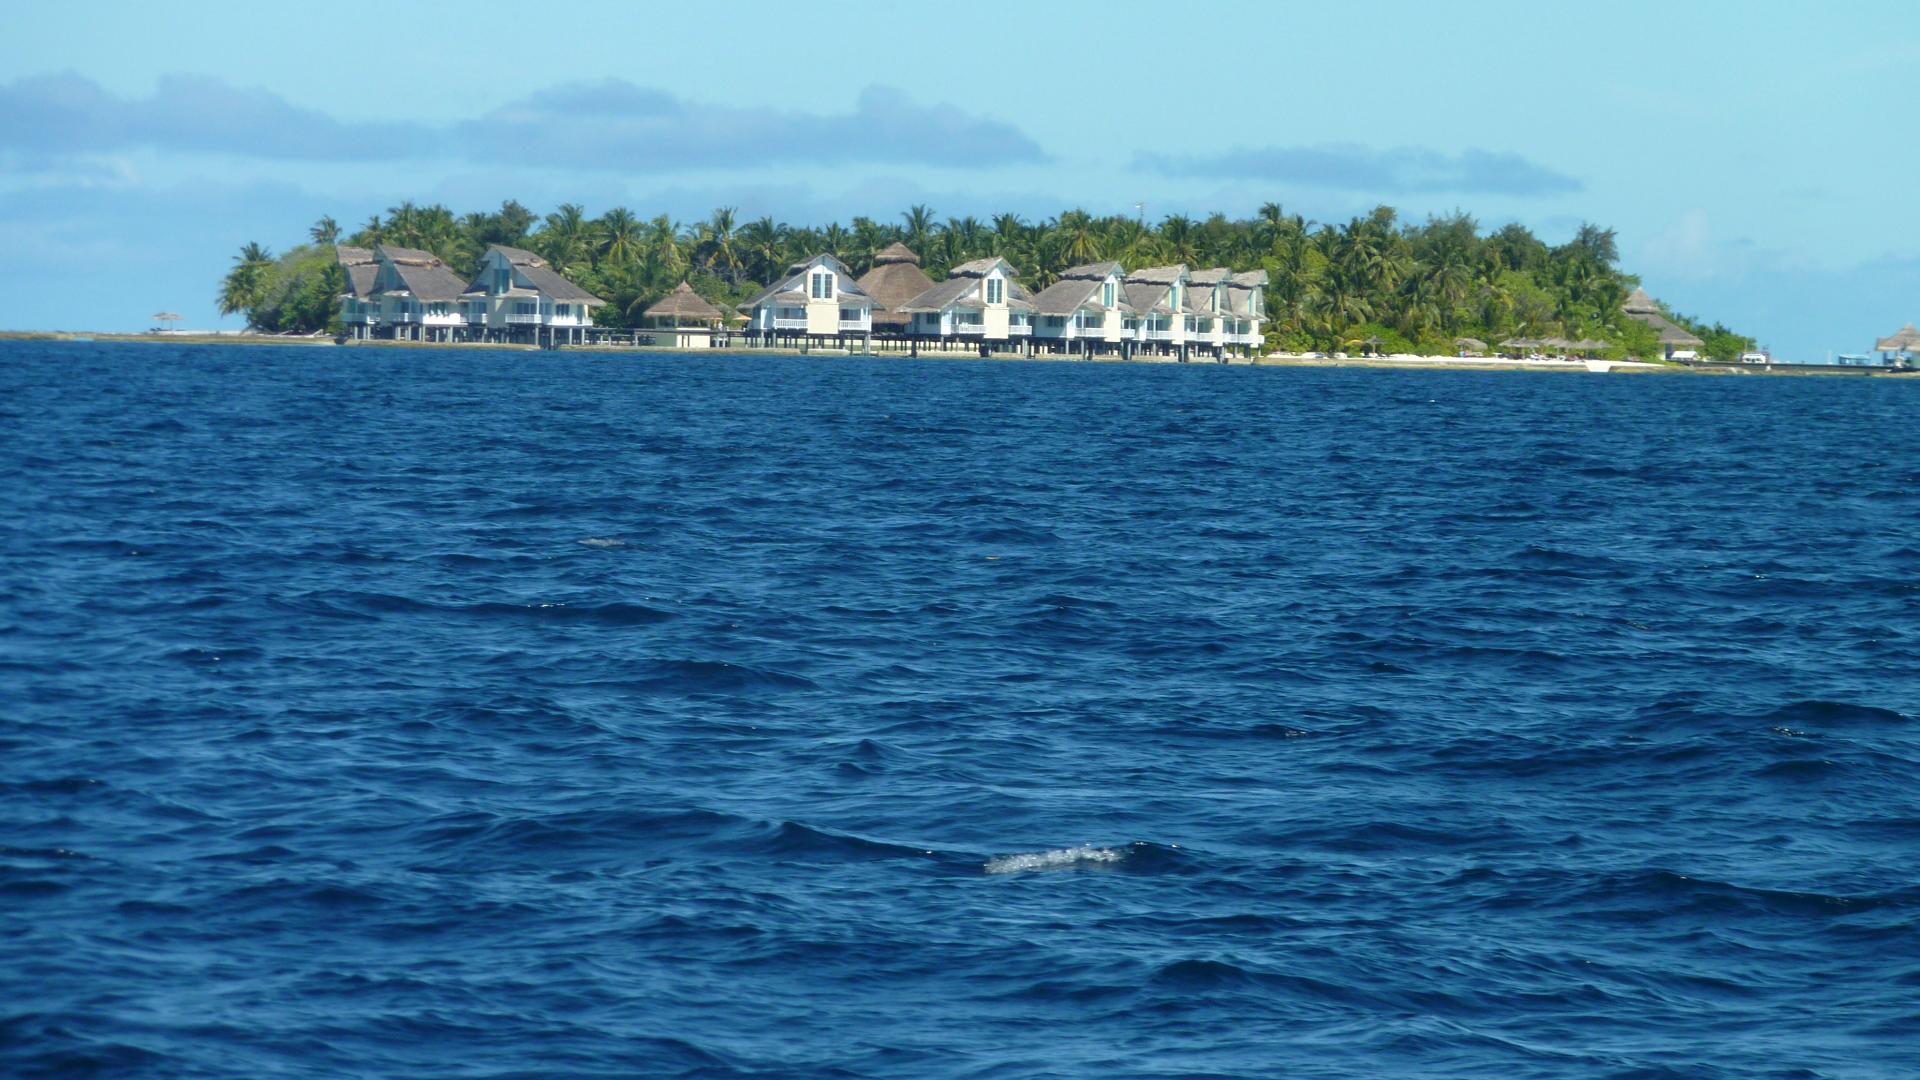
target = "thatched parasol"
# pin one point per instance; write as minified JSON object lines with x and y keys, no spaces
{"x":685,"y":307}
{"x":171,"y":317}
{"x":1470,"y":344}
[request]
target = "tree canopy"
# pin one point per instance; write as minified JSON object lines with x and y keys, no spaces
{"x":1333,"y":285}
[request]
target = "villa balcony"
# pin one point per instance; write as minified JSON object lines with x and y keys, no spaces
{"x":855,"y":326}
{"x":1020,"y":330}
{"x":789,"y":324}
{"x":523,"y":320}
{"x":1159,"y":335}
{"x":970,"y":329}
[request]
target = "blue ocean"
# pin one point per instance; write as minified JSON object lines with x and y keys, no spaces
{"x":464,"y":713}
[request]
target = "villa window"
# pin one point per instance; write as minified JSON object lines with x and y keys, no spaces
{"x":1106,"y":295}
{"x":996,"y":290}
{"x":523,"y":307}
{"x":823,"y":286}
{"x":562,"y":310}
{"x":1173,"y":296}
{"x":849,"y":314}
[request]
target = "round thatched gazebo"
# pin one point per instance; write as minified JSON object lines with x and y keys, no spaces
{"x":687,"y":319}
{"x":896,"y":278}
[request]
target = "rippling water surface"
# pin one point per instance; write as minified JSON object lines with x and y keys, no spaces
{"x":459,"y":713}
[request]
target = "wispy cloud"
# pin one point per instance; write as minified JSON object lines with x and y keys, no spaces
{"x":615,"y":124}
{"x":610,"y":125}
{"x":1352,"y":167}
{"x":73,"y":114}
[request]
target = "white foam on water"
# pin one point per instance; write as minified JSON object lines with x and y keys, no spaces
{"x":1052,"y":860}
{"x":603,"y":542}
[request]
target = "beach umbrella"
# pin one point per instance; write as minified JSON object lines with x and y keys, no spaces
{"x":171,"y":317}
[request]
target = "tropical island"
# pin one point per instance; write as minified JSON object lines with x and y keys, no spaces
{"x":1371,"y":283}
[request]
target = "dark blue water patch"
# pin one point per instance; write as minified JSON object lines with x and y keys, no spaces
{"x":467,"y":714}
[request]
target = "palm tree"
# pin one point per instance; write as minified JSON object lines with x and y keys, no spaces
{"x":716,"y":246}
{"x":763,"y":248}
{"x":242,"y":288}
{"x":919,"y":219}
{"x":620,"y":236}
{"x":325,"y":231}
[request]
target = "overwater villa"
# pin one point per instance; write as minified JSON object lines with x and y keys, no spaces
{"x":1247,"y":309}
{"x":359,"y":308}
{"x":1084,"y":312}
{"x":980,"y":303}
{"x":818,"y":301}
{"x":895,"y":278}
{"x":412,"y":295}
{"x":417,"y":294}
{"x":1675,"y":342}
{"x":1207,"y":296}
{"x":684,"y":319}
{"x":517,"y":296}
{"x":1158,"y":296}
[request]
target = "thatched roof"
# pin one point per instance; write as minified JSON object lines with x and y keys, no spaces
{"x":422,"y":275}
{"x":544,"y":277}
{"x":1147,"y":289}
{"x":685,"y":305}
{"x":1671,"y":334}
{"x":1639,"y":303}
{"x":361,"y":267}
{"x":1907,"y":340}
{"x":896,"y":278}
{"x":1471,"y":344}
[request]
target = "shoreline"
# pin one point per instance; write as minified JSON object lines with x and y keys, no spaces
{"x":1273,"y":360}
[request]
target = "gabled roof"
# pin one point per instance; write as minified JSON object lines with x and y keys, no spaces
{"x":361,"y":267}
{"x":422,"y":274}
{"x":1147,"y":290}
{"x":1079,"y":287}
{"x":962,"y":290}
{"x":796,"y":281}
{"x":1240,"y":289}
{"x":544,"y":277}
{"x":1213,"y":275}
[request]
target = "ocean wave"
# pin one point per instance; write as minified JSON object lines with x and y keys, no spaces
{"x":1058,"y":859}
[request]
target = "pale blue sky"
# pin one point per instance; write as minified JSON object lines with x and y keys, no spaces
{"x":1756,"y":158}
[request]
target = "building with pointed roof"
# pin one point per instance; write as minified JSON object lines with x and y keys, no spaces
{"x":684,"y":319}
{"x":418,"y":295}
{"x":1085,"y":310}
{"x":1676,"y":343}
{"x":1158,"y":297}
{"x":817,"y":299}
{"x":981,"y":301}
{"x":359,"y":308}
{"x":519,"y":296}
{"x":1247,"y":306}
{"x":895,"y":278}
{"x":1209,"y":296}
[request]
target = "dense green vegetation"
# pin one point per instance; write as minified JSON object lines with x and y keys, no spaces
{"x":1415,"y":287}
